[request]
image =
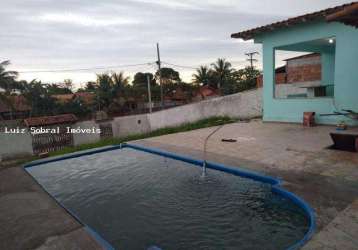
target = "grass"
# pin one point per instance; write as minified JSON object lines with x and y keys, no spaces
{"x":204,"y":123}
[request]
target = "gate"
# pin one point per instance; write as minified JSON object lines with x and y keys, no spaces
{"x":106,"y":130}
{"x":49,"y":142}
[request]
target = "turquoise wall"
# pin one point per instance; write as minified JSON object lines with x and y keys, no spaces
{"x":328,"y":68}
{"x":341,"y":66}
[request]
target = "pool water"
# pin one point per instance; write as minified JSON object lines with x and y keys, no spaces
{"x":135,"y":200}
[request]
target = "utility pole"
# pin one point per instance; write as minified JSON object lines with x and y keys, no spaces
{"x":251,"y":59}
{"x":149,"y":94}
{"x":160,"y":77}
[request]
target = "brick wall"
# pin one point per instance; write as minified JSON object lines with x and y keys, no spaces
{"x":302,"y":69}
{"x":304,"y":73}
{"x":280,"y":79}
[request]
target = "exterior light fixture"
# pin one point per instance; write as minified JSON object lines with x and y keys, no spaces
{"x":331,"y":40}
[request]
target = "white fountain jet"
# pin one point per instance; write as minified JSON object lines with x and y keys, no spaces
{"x":203,"y":174}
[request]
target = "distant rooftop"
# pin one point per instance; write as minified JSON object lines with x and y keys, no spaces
{"x":50,"y":120}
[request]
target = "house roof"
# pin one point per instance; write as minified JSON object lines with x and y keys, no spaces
{"x":50,"y":120}
{"x":348,"y":16}
{"x":19,"y":103}
{"x":303,"y":56}
{"x":346,"y":13}
{"x":86,"y":97}
{"x":207,"y":90}
{"x":63,"y":98}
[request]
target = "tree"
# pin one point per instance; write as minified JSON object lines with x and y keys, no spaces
{"x":110,"y":89}
{"x":56,"y":89}
{"x":222,"y":71}
{"x":67,"y":83}
{"x":91,"y":87}
{"x":7,"y":83}
{"x":246,"y":78}
{"x":119,"y":82}
{"x":168,"y":75}
{"x":39,"y":99}
{"x":203,"y":76}
{"x":7,"y":78}
{"x":104,"y":92}
{"x":140,"y":79}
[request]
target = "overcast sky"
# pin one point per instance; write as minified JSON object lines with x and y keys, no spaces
{"x":67,"y":34}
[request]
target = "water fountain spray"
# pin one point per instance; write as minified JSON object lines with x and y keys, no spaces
{"x":205,"y":147}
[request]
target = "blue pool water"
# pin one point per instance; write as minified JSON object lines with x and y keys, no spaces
{"x":134,"y":200}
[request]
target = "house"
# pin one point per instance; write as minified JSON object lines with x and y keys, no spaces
{"x":18,"y":109}
{"x":296,"y":72}
{"x":63,"y":98}
{"x":85,"y":97}
{"x":332,"y":33}
{"x":176,"y":97}
{"x":206,"y":92}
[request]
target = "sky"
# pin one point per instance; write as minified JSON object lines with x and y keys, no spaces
{"x":45,"y":35}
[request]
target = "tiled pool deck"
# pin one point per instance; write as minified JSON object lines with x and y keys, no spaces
{"x":326,"y":179}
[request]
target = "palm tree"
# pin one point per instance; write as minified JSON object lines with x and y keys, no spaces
{"x":7,"y":81}
{"x":202,"y":75}
{"x":222,"y":70}
{"x":119,"y":82}
{"x":7,"y":78}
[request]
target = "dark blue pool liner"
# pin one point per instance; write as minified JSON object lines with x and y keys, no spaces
{"x":274,"y":182}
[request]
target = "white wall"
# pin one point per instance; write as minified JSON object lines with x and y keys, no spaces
{"x":246,"y":104}
{"x":83,"y":138}
{"x":283,"y":90}
{"x":15,"y":145}
{"x":241,"y":105}
{"x":133,"y":124}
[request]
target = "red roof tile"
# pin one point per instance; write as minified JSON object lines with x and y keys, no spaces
{"x":323,"y":14}
{"x":50,"y":120}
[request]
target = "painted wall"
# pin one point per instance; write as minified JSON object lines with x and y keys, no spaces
{"x":12,"y":145}
{"x":83,"y":138}
{"x":244,"y":105}
{"x":133,"y":124}
{"x":345,"y":75}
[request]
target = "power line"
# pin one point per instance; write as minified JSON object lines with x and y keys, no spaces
{"x":196,"y":67}
{"x":251,"y":59}
{"x":86,"y":69}
{"x":180,"y":66}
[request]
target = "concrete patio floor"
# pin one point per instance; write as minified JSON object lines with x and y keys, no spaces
{"x":327,"y":179}
{"x":31,"y":219}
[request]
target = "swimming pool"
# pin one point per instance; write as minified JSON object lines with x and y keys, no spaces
{"x":137,"y":197}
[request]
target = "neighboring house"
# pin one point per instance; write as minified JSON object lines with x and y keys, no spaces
{"x":332,"y":33}
{"x":85,"y":97}
{"x":297,"y":72}
{"x":206,"y":92}
{"x":63,"y":98}
{"x":18,"y":109}
{"x":176,"y":98}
